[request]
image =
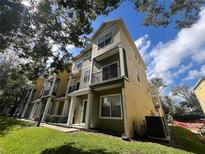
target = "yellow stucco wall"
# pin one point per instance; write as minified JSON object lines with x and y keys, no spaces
{"x":105,"y":124}
{"x":138,"y":101}
{"x":200,"y":94}
{"x":64,"y":77}
{"x":38,"y":87}
{"x":114,"y":28}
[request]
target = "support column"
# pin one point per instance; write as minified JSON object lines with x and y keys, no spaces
{"x":24,"y":110}
{"x":46,"y":108}
{"x":65,"y":108}
{"x":69,"y":83}
{"x":88,"y":111}
{"x":71,"y":111}
{"x":122,"y":63}
{"x":52,"y":86}
{"x":33,"y":110}
{"x":91,"y":72}
{"x":26,"y":106}
{"x":126,"y":125}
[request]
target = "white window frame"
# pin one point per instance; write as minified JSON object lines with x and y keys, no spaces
{"x":100,"y":107}
{"x":88,"y":76}
{"x":103,"y":37}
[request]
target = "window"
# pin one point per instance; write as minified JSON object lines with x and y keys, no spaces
{"x":86,"y":76}
{"x":138,"y":78}
{"x":108,"y":39}
{"x":101,"y":43}
{"x":87,"y":56}
{"x":110,"y":106}
{"x":105,"y":40}
{"x":78,"y":64}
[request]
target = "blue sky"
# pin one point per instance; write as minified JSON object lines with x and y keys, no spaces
{"x":178,"y":56}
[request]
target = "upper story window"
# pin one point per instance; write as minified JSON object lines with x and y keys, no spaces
{"x":87,"y":56}
{"x":86,"y":76}
{"x":78,"y":64}
{"x":105,"y":40}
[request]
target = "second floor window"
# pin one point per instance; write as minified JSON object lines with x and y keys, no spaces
{"x":78,"y":64}
{"x":105,"y":40}
{"x":86,"y":76}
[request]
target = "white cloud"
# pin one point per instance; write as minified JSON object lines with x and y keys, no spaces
{"x":189,"y":45}
{"x":143,"y":45}
{"x":182,"y":69}
{"x":193,"y":74}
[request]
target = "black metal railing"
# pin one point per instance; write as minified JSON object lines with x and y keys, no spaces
{"x":106,"y":74}
{"x":73,"y":88}
{"x":46,"y":92}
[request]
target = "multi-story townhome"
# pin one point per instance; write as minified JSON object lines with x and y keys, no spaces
{"x":107,"y":87}
{"x":48,"y":97}
{"x":30,"y":109}
{"x":154,"y":93}
{"x":199,"y":90}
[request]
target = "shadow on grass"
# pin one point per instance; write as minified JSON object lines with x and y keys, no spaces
{"x":7,"y":123}
{"x":70,"y":149}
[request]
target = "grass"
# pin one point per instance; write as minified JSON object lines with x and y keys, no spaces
{"x":193,"y":145}
{"x":22,"y":138}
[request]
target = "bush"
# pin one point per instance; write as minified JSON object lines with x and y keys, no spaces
{"x":56,"y":118}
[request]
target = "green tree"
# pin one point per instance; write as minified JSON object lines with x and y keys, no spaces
{"x":32,"y":31}
{"x":14,"y":86}
{"x":158,"y":82}
{"x":190,"y":99}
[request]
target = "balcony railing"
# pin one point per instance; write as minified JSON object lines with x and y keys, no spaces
{"x":106,"y":75}
{"x":73,"y":88}
{"x":46,"y":92}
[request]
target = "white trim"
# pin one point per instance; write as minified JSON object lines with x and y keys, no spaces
{"x":100,"y":109}
{"x":86,"y":70}
{"x":103,"y":37}
{"x":82,"y":112}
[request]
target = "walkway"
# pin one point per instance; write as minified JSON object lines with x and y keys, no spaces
{"x":59,"y":128}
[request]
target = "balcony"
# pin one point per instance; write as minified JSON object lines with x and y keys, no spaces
{"x":109,"y":72}
{"x":46,"y":92}
{"x":73,"y":88}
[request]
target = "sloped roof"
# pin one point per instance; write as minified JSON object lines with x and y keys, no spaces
{"x":120,"y":21}
{"x":198,"y":82}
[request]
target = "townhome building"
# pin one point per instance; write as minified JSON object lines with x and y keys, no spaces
{"x":199,"y":90}
{"x":156,"y":99}
{"x":106,"y":88}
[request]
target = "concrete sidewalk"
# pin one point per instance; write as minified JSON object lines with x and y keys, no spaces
{"x":59,"y":128}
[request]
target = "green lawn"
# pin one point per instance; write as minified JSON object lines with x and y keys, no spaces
{"x":193,"y":145}
{"x":21,"y":138}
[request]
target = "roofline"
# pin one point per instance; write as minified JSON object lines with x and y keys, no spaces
{"x":82,"y":52}
{"x":198,"y":82}
{"x":104,"y":23}
{"x":120,"y":20}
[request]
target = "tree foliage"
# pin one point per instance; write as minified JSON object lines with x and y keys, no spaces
{"x":14,"y":86}
{"x":158,"y":82}
{"x":32,"y":31}
{"x":190,"y":99}
{"x":162,"y":12}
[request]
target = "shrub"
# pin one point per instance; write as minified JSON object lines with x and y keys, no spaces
{"x":56,"y":118}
